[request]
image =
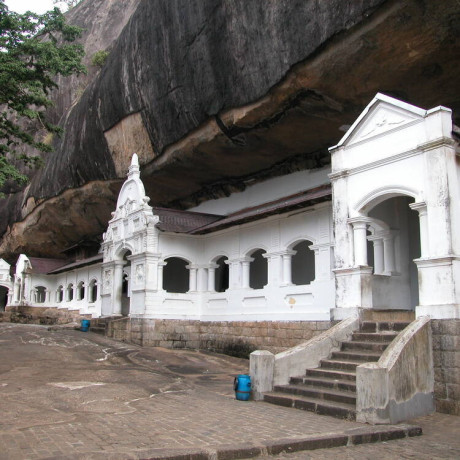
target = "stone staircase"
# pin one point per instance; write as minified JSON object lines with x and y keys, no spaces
{"x":100,"y":325}
{"x":331,"y":388}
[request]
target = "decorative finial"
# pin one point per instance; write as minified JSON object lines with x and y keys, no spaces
{"x":134,"y":168}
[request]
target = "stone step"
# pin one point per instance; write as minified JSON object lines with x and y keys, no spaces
{"x":324,"y":382}
{"x":374,"y":336}
{"x":341,"y":365}
{"x":331,"y":374}
{"x":370,"y":346}
{"x":335,"y":409}
{"x":356,"y":356}
{"x":97,"y":330}
{"x":378,"y":326}
{"x":345,"y":397}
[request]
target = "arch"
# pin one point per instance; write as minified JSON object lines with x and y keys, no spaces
{"x":394,"y":245}
{"x":303,"y":263}
{"x":298,"y":239}
{"x":3,"y":296}
{"x":219,"y":256}
{"x":249,"y":251}
{"x":69,"y":292}
{"x":176,"y":256}
{"x":92,"y":291}
{"x":126,"y":282}
{"x":81,"y":290}
{"x":377,"y":196}
{"x":40,"y":294}
{"x":258,"y":269}
{"x":60,"y":294}
{"x":121,"y":251}
{"x":221,"y":280}
{"x":176,"y":276}
{"x":377,"y":225}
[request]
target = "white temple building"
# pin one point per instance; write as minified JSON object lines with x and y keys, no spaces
{"x":380,"y":229}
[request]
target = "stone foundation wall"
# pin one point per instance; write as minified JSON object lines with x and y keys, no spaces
{"x":236,"y":338}
{"x":446,"y":357}
{"x":41,"y":315}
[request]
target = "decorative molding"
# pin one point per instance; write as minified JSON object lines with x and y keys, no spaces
{"x":339,"y":174}
{"x":395,"y":190}
{"x":436,"y":143}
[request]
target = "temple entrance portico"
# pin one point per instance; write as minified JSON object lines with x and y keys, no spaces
{"x":130,"y":264}
{"x":6,"y":285}
{"x":396,"y":159}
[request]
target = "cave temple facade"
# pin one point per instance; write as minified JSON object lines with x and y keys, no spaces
{"x":378,"y":229}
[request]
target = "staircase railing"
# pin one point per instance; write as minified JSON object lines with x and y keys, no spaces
{"x":268,"y":370}
{"x":400,"y":385}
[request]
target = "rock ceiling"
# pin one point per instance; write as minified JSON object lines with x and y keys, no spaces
{"x":216,"y":95}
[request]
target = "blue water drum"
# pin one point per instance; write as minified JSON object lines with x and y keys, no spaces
{"x":85,"y":325}
{"x":242,"y":385}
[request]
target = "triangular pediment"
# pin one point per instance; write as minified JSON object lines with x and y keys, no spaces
{"x":4,"y":265}
{"x":383,"y":115}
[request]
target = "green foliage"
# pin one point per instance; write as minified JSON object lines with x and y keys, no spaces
{"x":34,"y":49}
{"x":99,"y":58}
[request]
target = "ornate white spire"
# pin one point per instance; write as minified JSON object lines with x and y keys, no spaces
{"x":134,"y":168}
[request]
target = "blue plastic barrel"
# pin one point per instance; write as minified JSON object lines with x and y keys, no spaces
{"x":85,"y":325}
{"x":242,"y":385}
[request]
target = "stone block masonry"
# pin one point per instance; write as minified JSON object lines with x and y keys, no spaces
{"x":41,"y":315}
{"x":446,"y":358}
{"x":235,"y":338}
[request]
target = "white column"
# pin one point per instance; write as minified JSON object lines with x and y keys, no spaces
{"x":117,"y":286}
{"x":245,"y":266}
{"x":360,"y":242}
{"x":193,"y":277}
{"x":10,"y":297}
{"x":160,"y":275}
{"x":212,"y":277}
{"x":17,"y":289}
{"x":423,"y":222}
{"x":389,"y":254}
{"x":287,"y":267}
{"x":379,"y":266}
{"x":202,"y":279}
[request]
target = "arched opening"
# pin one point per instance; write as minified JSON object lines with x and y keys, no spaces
{"x":370,"y":250}
{"x":60,"y":294}
{"x":258,"y":270}
{"x":69,"y":297}
{"x":92,"y":291}
{"x":3,"y":297}
{"x":303,"y":263}
{"x":176,"y":276}
{"x":40,"y":294}
{"x":126,"y":285}
{"x":392,"y":254}
{"x":221,"y":281}
{"x":81,"y":290}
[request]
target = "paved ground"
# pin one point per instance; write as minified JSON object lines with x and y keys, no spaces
{"x":74,"y":395}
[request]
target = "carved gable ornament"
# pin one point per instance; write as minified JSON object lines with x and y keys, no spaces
{"x":132,"y":226}
{"x":383,"y":115}
{"x":4,"y":271}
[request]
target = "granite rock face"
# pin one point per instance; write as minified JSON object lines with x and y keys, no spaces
{"x":214,"y":94}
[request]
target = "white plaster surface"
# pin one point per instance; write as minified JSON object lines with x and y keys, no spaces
{"x":392,"y":150}
{"x":400,"y":385}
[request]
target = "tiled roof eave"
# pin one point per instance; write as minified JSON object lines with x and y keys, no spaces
{"x":308,"y":198}
{"x":80,"y":264}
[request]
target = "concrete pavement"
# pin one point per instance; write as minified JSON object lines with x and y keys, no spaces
{"x":66,"y":394}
